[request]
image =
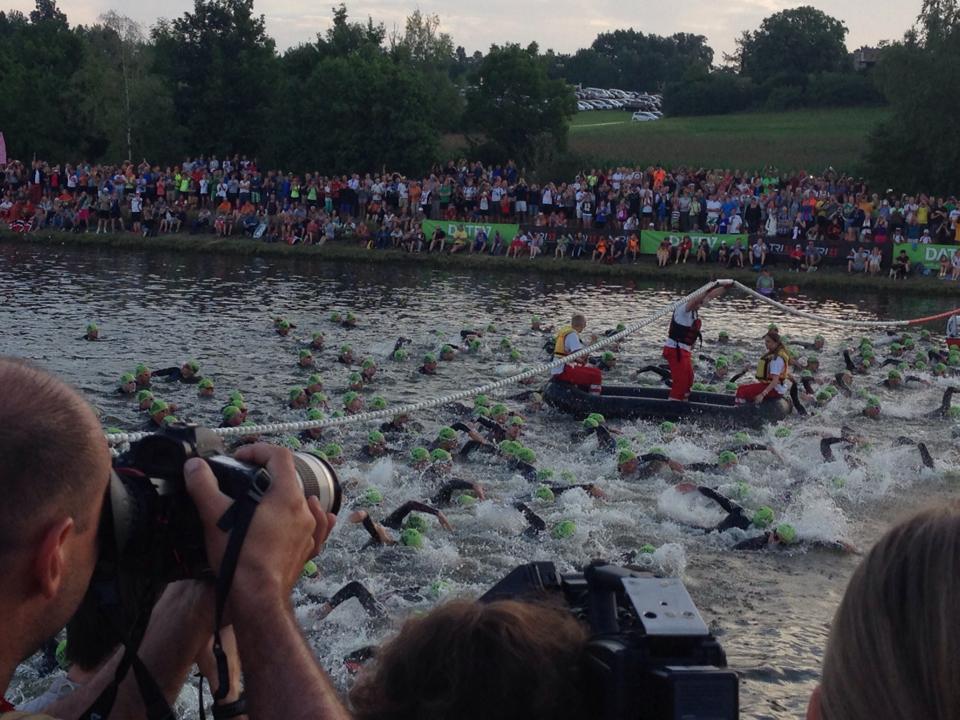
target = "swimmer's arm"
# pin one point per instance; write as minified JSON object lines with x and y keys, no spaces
{"x":166,"y":372}
{"x":376,"y":531}
{"x":445,"y":493}
{"x":591,"y":489}
{"x":395,"y":519}
{"x":759,"y":542}
{"x":604,"y":438}
{"x":726,"y":503}
{"x":356,"y":590}
{"x":533,"y":520}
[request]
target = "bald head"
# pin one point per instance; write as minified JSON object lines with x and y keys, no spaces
{"x":54,"y":460}
{"x":578,"y":322}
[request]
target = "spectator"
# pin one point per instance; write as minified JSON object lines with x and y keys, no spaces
{"x":900,"y":268}
{"x":736,"y":256}
{"x":894,"y":644}
{"x":796,"y":258}
{"x":857,"y":261}
{"x":683,"y":250}
{"x":811,"y":257}
{"x":759,"y":254}
{"x":473,"y":661}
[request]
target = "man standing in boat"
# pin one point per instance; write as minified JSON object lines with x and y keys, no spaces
{"x":683,"y":333}
{"x":577,"y":372}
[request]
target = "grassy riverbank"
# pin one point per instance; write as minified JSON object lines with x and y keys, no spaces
{"x":645,"y":269}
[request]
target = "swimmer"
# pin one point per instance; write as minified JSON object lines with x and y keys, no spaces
{"x":205,"y":388}
{"x":231,"y":416}
{"x":785,"y":535}
{"x":349,"y":322}
{"x":447,"y":353}
{"x":429,"y":366}
{"x":355,"y":381}
{"x":376,"y":446}
{"x":444,"y":495}
{"x":925,"y":455}
{"x":282,"y":328}
{"x":412,"y":529}
{"x":346,"y":355}
{"x":144,"y":399}
{"x":298,"y":398}
{"x":946,"y":410}
{"x":92,"y":333}
{"x":305,"y":358}
{"x":353,"y":403}
{"x":352,"y":590}
{"x":312,"y":434}
{"x":142,"y":374}
{"x":368,"y":369}
{"x":314,"y":384}
{"x":737,"y":516}
{"x":317,"y":341}
{"x":663,"y":372}
{"x":127,"y":384}
{"x":630,"y":465}
{"x":401,"y":423}
{"x":189,"y":372}
{"x":158,"y":411}
{"x":606,"y":362}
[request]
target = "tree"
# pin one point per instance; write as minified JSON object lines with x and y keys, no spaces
{"x":802,"y":40}
{"x":917,"y":147}
{"x":223,"y":70}
{"x":513,"y":102}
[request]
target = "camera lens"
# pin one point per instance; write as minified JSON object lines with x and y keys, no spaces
{"x":318,"y":480}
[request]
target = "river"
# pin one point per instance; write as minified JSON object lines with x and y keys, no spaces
{"x":770,"y":610}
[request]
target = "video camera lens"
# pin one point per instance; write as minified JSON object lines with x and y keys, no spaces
{"x":318,"y":479}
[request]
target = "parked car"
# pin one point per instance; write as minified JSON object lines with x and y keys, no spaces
{"x":641,"y":116}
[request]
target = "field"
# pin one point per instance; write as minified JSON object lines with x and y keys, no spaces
{"x":811,"y":140}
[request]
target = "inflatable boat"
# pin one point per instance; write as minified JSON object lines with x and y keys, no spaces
{"x":654,"y":403}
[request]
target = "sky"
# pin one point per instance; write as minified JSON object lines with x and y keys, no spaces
{"x":564,"y":25}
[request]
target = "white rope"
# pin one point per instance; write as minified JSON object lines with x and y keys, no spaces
{"x":287,"y":427}
{"x":819,"y":318}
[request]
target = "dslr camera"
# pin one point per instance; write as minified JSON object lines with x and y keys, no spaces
{"x":650,"y":655}
{"x":150,"y":532}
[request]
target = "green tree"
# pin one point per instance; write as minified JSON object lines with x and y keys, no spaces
{"x":917,"y":148}
{"x":516,"y":106}
{"x":223,"y":70}
{"x":801,"y":40}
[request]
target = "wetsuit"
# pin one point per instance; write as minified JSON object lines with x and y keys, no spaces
{"x":736,"y":515}
{"x":175,"y":374}
{"x":352,"y":589}
{"x":663,"y":372}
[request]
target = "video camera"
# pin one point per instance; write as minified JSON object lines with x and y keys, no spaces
{"x":650,"y":655}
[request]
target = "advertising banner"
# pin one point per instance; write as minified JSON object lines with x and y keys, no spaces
{"x":929,"y":254}
{"x":507,"y":231}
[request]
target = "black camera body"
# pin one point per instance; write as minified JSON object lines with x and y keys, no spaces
{"x":650,"y":655}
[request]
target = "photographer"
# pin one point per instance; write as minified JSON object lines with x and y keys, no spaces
{"x":54,"y":477}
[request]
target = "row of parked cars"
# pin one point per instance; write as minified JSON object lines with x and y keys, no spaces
{"x":645,"y":105}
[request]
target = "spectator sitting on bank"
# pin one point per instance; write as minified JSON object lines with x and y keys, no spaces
{"x":811,"y":257}
{"x":875,"y":261}
{"x":703,"y":251}
{"x":759,"y":254}
{"x":857,"y":261}
{"x":683,"y":250}
{"x":663,"y":253}
{"x":900,"y":268}
{"x":736,"y":256}
{"x":796,"y":258}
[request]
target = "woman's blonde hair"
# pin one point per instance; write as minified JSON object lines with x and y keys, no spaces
{"x":894,"y":649}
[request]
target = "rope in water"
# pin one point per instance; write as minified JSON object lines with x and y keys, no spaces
{"x":834,"y":321}
{"x":492,"y":387}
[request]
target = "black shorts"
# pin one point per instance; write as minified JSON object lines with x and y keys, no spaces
{"x":103,"y":214}
{"x":135,"y":217}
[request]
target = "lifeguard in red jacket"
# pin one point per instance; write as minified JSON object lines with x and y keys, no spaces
{"x":577,"y":372}
{"x":683,"y":334}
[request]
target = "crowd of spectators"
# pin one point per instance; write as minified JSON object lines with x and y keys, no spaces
{"x":233,"y":196}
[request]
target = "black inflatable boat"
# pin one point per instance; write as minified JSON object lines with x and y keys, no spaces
{"x":654,"y":403}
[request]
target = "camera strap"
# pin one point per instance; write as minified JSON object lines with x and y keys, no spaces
{"x":235,"y":521}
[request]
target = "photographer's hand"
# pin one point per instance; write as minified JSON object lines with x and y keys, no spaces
{"x":281,"y":675}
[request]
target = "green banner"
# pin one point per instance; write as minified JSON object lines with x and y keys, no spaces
{"x":650,"y":240}
{"x":928,"y":254}
{"x":507,"y":231}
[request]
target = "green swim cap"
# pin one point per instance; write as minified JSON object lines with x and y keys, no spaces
{"x":491,"y":328}
{"x":419,"y":454}
{"x":623,"y":443}
{"x":417,"y":522}
{"x":367,"y":364}
{"x":818,"y":338}
{"x":564,"y":529}
{"x":481,"y":400}
{"x":724,"y":335}
{"x":292,"y":442}
{"x":378,"y":403}
{"x":61,"y":655}
{"x":506,"y":344}
{"x":699,"y":387}
{"x":823,"y":396}
{"x":314,"y":414}
{"x":344,"y":349}
{"x":625,"y":456}
{"x":318,"y":399}
{"x":656,"y":450}
{"x":205,"y":384}
{"x":894,"y":375}
{"x":535,"y":318}
{"x":517,"y":420}
{"x":730,"y":387}
{"x":940,"y":367}
{"x":607,"y":356}
{"x":296,"y":392}
{"x":741,"y":437}
{"x":499,"y":409}
{"x":510,"y":447}
{"x":590,"y":424}
{"x":236,"y":398}
{"x":832,"y":390}
{"x":127,"y":378}
{"x":481,"y":411}
{"x":782,"y":432}
{"x":193,"y":365}
{"x":786,"y":533}
{"x":400,"y":354}
{"x":772,"y":326}
{"x":446,"y":349}
{"x":439,"y":588}
{"x":441,"y":456}
{"x":544,"y":474}
{"x":411,"y":538}
{"x":429,"y":358}
{"x":375,"y":437}
{"x":741,"y":490}
{"x":525,"y":454}
{"x":567,"y":476}
{"x":727,"y":457}
{"x":170,"y":420}
{"x":158,"y":406}
{"x":621,"y":327}
{"x":92,"y":327}
{"x":141,"y":369}
{"x":515,"y":355}
{"x":474,"y":345}
{"x":465,"y":499}
{"x":350,"y":397}
{"x":954,"y":411}
{"x":283,"y":325}
{"x":144,"y":395}
{"x":763,"y":517}
{"x":667,"y":427}
{"x":543,"y":492}
{"x":721,"y":362}
{"x":317,"y":335}
{"x":310,"y":569}
{"x":354,"y":378}
{"x":873,"y":402}
{"x":647,"y":549}
{"x":447,"y":433}
{"x":228,"y":413}
{"x":806,"y":374}
{"x":924,"y":334}
{"x":315,"y":379}
{"x":598,"y":417}
{"x":332,"y":450}
{"x":305,"y":353}
{"x":334,"y":317}
{"x":737,"y":356}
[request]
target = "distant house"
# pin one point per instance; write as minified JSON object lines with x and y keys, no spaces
{"x":865,"y":58}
